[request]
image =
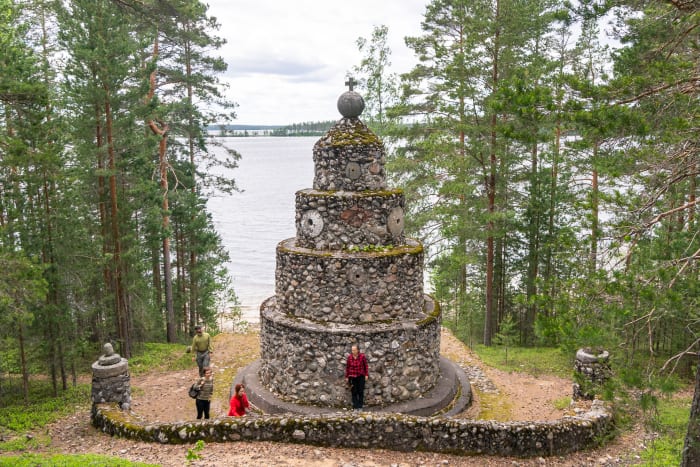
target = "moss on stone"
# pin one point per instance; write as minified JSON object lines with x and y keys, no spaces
{"x":433,"y":315}
{"x":310,"y":193}
{"x":351,"y":132}
{"x":345,"y":254}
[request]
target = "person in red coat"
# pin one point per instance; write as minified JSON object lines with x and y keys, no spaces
{"x":355,"y":373}
{"x":239,"y":402}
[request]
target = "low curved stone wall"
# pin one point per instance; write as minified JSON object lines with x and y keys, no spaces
{"x":377,"y":431}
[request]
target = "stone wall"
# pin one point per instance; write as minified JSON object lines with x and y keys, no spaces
{"x":343,"y":220}
{"x":304,"y":361}
{"x":378,"y":431}
{"x":350,"y":287}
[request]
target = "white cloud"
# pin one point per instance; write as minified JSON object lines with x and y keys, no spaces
{"x":288,"y":59}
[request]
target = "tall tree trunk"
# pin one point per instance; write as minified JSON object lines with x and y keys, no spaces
{"x":533,"y":253}
{"x":161,"y":129}
{"x":551,"y":220}
{"x":23,"y":364}
{"x":595,"y":208}
{"x":157,"y":281}
{"x":104,"y":222}
{"x":191,"y":148}
{"x":120,"y":305}
{"x":167,"y":273}
{"x":691,"y":448}
{"x":489,"y":318}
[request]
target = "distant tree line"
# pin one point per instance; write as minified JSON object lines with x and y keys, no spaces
{"x":304,"y":129}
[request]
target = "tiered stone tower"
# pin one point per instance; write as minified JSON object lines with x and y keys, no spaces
{"x":350,"y":276}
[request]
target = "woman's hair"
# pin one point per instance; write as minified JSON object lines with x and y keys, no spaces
{"x":238,"y":388}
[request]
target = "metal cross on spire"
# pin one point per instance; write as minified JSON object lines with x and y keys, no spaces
{"x":350,"y":82}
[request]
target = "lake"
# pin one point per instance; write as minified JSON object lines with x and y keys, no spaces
{"x":253,"y":222}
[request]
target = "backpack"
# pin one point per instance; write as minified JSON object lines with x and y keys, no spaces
{"x":194,"y":390}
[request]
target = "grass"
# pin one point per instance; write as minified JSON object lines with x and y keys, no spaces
{"x":81,"y":460}
{"x":670,"y":421}
{"x":160,"y":357}
{"x":43,"y":409}
{"x":562,"y":403}
{"x":531,"y":360}
{"x":494,"y":407}
{"x":18,"y":420}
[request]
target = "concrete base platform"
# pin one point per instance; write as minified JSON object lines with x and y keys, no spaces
{"x":451,"y":395}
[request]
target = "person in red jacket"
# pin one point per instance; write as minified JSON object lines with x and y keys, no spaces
{"x":355,"y":373}
{"x":239,"y":402}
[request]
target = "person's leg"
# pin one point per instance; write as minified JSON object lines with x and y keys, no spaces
{"x":206,"y":404}
{"x":205,"y":360}
{"x":355,"y":393}
{"x":200,"y":408}
{"x":200,"y":362}
{"x":360,"y":392}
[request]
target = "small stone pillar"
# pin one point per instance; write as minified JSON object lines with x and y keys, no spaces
{"x":110,"y":379}
{"x":591,"y":370}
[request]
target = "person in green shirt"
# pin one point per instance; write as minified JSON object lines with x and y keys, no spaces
{"x":202,"y":348}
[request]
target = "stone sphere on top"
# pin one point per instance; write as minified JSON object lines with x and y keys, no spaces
{"x":350,"y":103}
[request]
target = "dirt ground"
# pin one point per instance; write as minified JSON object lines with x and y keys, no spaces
{"x":162,"y":397}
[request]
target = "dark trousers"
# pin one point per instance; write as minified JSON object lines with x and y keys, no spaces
{"x":202,"y":361}
{"x":203,"y":408}
{"x":358,"y":391}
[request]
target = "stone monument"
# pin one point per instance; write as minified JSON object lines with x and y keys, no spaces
{"x":110,"y":379}
{"x":591,"y":371}
{"x":350,"y":276}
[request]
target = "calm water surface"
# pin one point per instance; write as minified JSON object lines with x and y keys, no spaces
{"x":253,"y":222}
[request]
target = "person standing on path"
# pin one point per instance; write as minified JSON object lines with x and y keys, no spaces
{"x":202,"y":347}
{"x":206,"y":391}
{"x":356,"y":370}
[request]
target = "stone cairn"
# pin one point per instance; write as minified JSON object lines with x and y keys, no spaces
{"x":591,"y":371}
{"x":350,"y":276}
{"x":110,"y":379}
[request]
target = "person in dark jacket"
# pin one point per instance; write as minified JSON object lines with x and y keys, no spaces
{"x":356,"y":371}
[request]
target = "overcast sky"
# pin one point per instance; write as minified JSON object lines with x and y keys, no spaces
{"x":287,"y":59}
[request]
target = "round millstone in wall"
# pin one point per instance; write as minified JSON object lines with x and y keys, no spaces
{"x":356,"y":275}
{"x":395,"y":221}
{"x":312,"y":223}
{"x":353,"y":170}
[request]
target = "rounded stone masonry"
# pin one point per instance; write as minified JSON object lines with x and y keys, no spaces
{"x":591,"y":371}
{"x":345,"y":220}
{"x":350,"y":287}
{"x":304,"y":361}
{"x":110,"y":379}
{"x":349,"y":157}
